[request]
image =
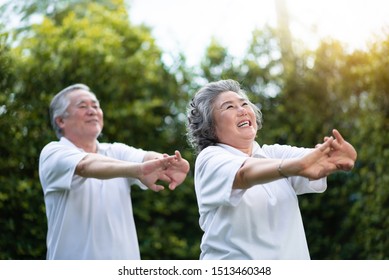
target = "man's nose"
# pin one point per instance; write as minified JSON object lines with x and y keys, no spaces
{"x":92,"y":111}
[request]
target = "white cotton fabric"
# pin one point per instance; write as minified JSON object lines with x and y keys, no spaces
{"x":262,"y":222}
{"x":87,"y":218}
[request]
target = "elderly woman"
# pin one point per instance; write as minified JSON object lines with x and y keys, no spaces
{"x":247,"y":193}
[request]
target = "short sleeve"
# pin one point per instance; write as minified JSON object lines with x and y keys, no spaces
{"x":215,"y":172}
{"x":127,"y":153}
{"x":124,"y":152}
{"x":57,"y":164}
{"x":301,"y":185}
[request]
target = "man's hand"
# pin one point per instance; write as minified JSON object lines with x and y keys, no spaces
{"x":170,"y":169}
{"x":177,"y":170}
{"x":152,"y":171}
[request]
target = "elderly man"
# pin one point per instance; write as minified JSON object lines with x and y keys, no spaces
{"x":87,"y":184}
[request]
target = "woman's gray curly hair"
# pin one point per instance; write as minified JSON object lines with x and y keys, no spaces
{"x":200,"y":125}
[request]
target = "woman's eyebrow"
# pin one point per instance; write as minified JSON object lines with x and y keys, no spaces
{"x":228,"y":102}
{"x":225,"y":103}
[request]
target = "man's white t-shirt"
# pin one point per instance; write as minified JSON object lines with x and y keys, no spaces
{"x":87,"y":218}
{"x":262,"y":222}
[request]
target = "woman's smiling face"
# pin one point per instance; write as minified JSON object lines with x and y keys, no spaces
{"x":235,"y":120}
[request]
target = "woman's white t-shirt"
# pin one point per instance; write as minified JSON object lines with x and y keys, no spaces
{"x":262,"y":222}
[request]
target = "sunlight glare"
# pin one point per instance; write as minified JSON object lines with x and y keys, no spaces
{"x":352,"y":22}
{"x":187,"y":26}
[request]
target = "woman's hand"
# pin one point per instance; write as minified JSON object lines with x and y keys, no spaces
{"x":317,"y":164}
{"x":342,"y":153}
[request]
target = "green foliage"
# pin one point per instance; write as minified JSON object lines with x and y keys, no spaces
{"x":21,"y":212}
{"x":262,"y":78}
{"x":218,"y":63}
{"x":142,"y":103}
{"x":373,"y":138}
{"x":302,"y":98}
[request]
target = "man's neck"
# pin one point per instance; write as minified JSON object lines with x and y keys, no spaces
{"x":89,"y":146}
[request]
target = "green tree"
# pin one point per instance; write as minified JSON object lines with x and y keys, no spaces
{"x":19,"y":198}
{"x":371,"y":211}
{"x":218,"y":63}
{"x":262,"y":73}
{"x":344,"y":87}
{"x":302,"y":98}
{"x":122,"y":64}
{"x":323,"y":89}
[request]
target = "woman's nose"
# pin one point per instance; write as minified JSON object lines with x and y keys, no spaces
{"x":242,"y":111}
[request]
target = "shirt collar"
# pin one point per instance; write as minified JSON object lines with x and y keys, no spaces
{"x":69,"y":143}
{"x":257,"y":150}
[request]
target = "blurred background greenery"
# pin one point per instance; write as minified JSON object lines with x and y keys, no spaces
{"x":303,"y":94}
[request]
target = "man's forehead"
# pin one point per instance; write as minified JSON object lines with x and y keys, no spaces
{"x":80,"y":96}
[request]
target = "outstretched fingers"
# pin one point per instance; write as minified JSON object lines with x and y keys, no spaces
{"x":338,"y":136}
{"x":339,"y":140}
{"x":153,"y":171}
{"x":326,"y":146}
{"x":156,"y":188}
{"x":172,"y":186}
{"x":178,"y":155}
